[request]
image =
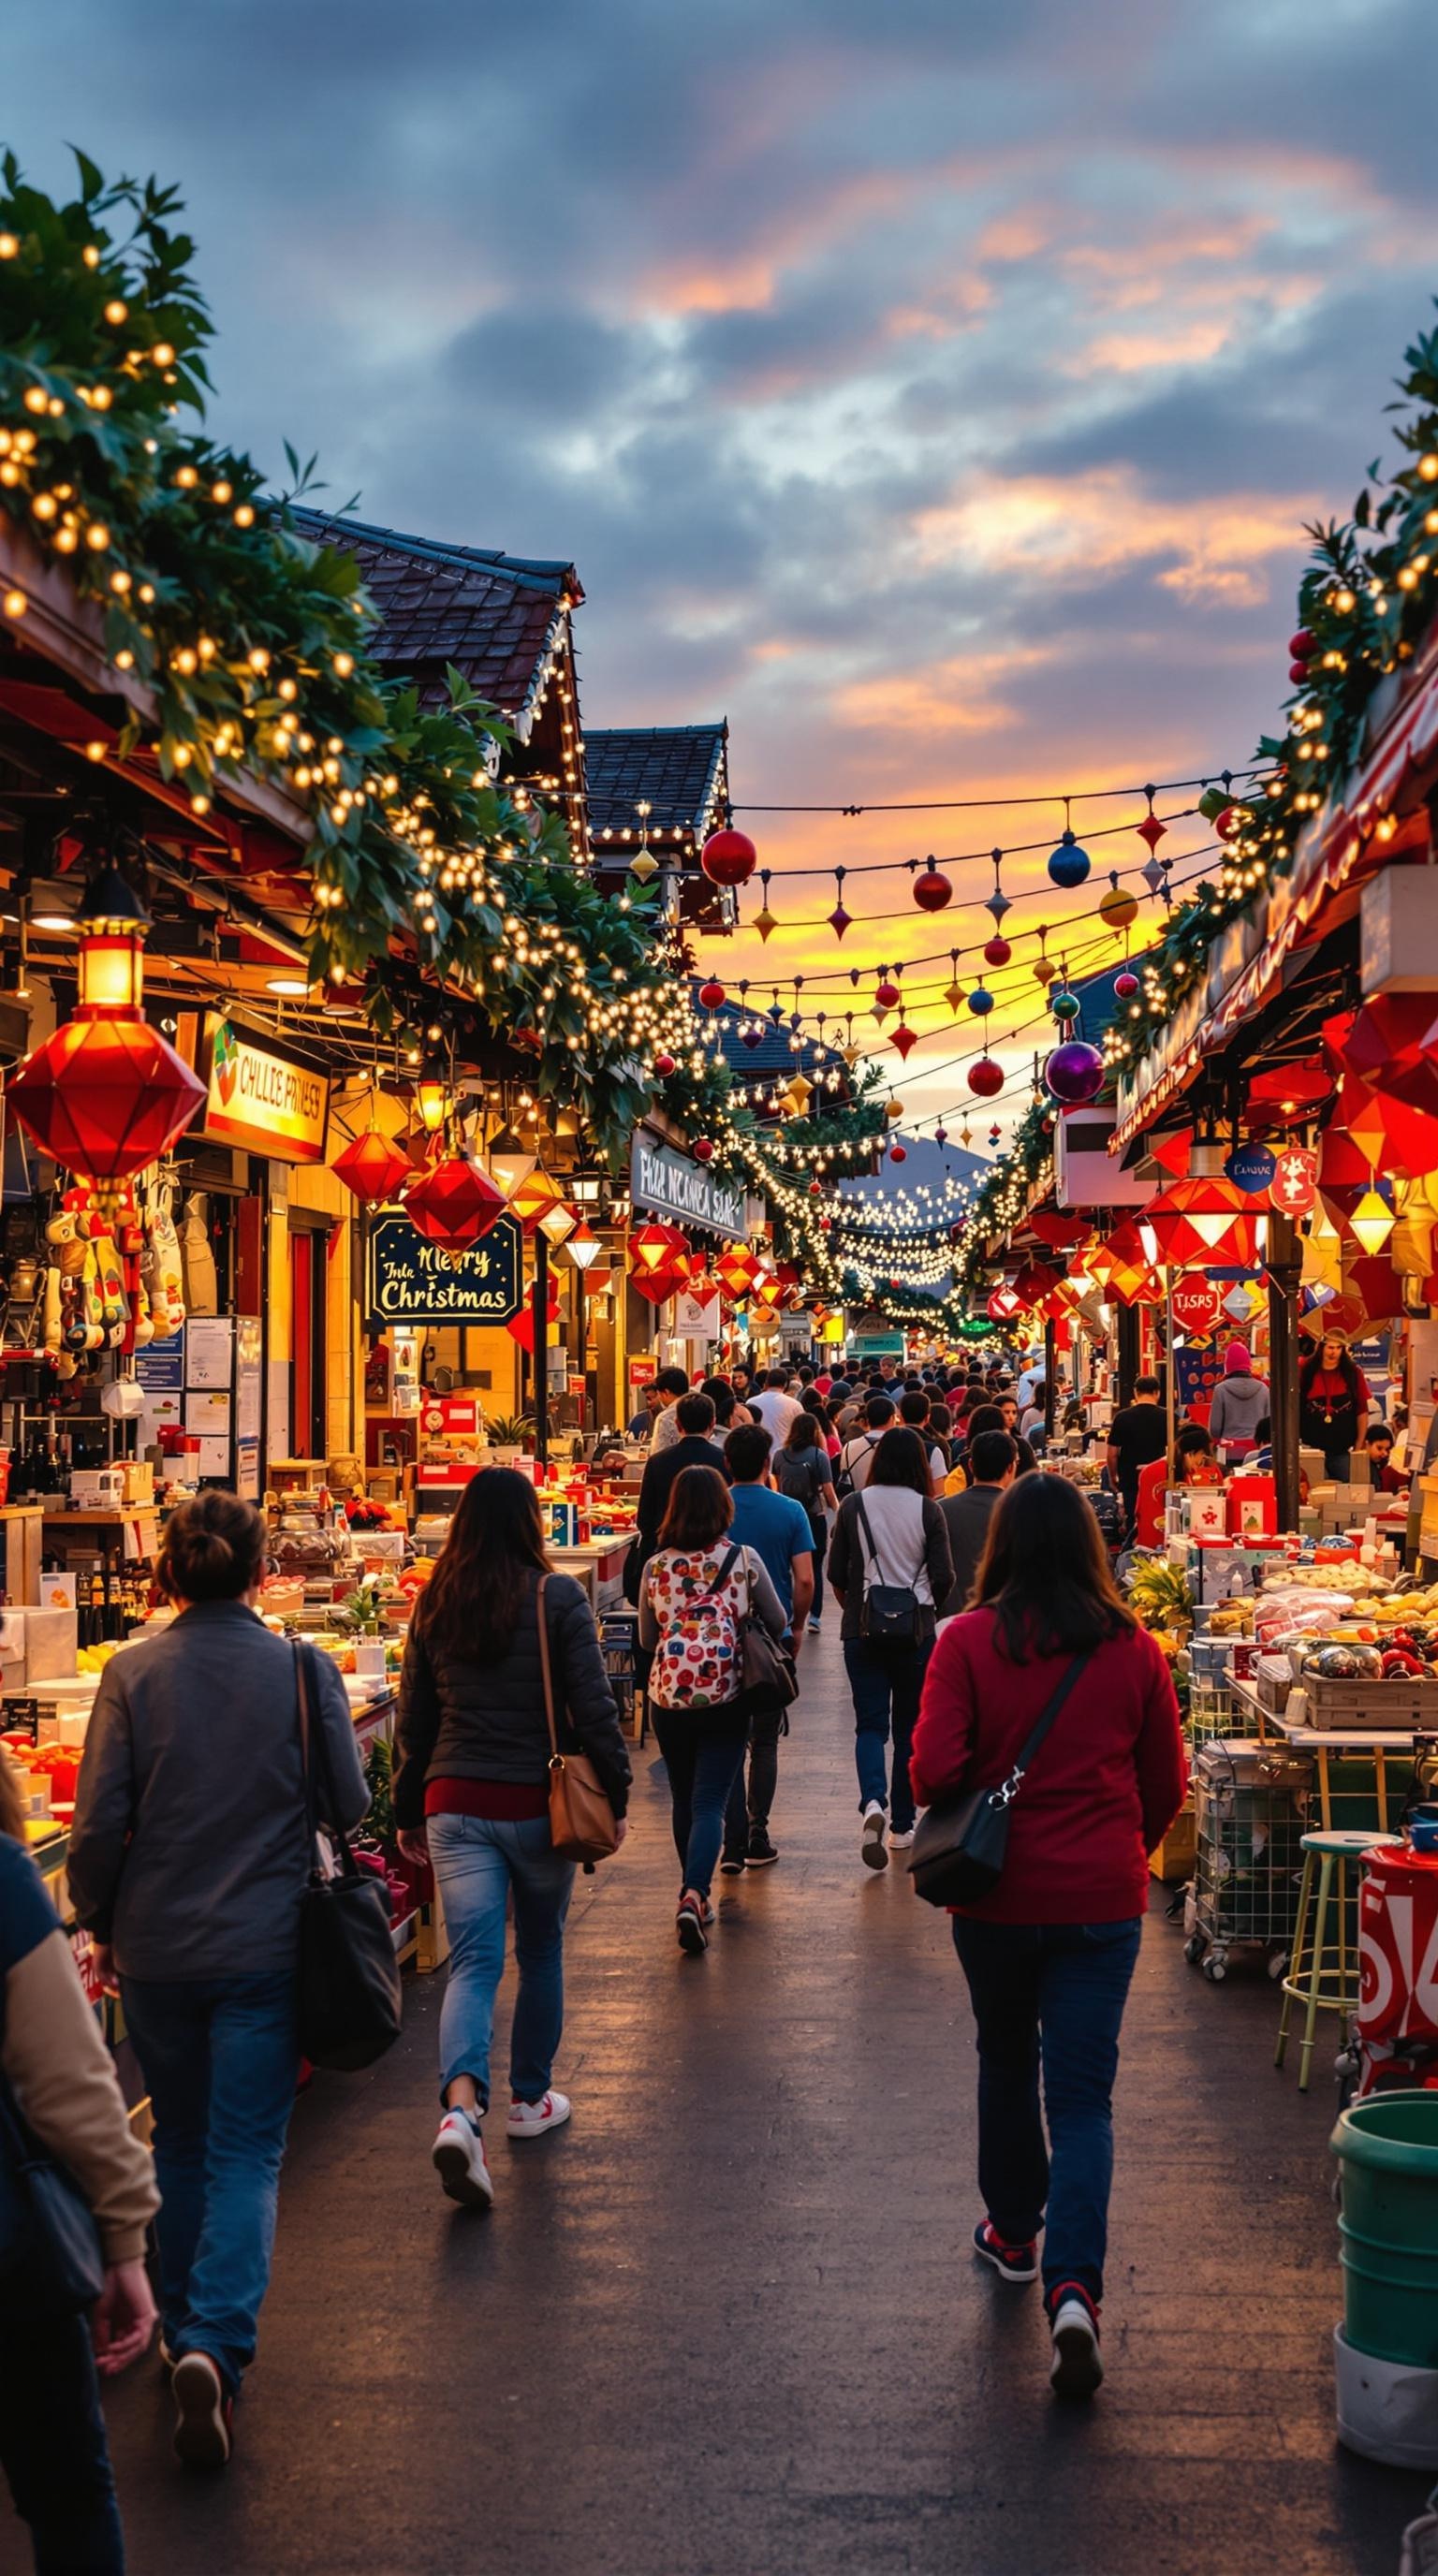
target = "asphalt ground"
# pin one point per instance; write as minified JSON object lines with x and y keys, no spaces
{"x":728,"y":2322}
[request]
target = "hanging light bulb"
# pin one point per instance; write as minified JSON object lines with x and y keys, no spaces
{"x":431,"y":1099}
{"x":583,"y":1246}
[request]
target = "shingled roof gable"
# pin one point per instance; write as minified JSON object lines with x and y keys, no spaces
{"x":494,"y":616}
{"x":677,"y":770}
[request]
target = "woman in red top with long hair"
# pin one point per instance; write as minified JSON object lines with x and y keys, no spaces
{"x":1050,"y":1953}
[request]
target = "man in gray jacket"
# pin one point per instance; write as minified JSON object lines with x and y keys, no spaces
{"x":1240,"y":1401}
{"x":993,"y":1464}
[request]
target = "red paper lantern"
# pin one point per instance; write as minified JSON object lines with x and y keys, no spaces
{"x":373,"y":1167}
{"x":520,"y":1327}
{"x":649,"y":1250}
{"x":1202,"y":1219}
{"x":728,"y":858}
{"x":105,"y":1094}
{"x":1391,"y":1046}
{"x":454,"y":1203}
{"x":933,"y":890}
{"x":1033,"y":1281}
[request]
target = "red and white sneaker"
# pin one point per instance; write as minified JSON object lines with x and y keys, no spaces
{"x":536,"y":2119}
{"x":1011,"y":2262}
{"x":1077,"y":2363}
{"x":459,"y":2160}
{"x":203,"y":2412}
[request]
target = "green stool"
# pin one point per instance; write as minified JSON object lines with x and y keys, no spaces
{"x":1323,"y":1965}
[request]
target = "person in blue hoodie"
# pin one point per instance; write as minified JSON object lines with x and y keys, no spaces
{"x":1240,"y":1401}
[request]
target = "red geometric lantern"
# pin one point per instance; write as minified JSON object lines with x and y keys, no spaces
{"x":1391,"y":1046}
{"x":373,"y":1167}
{"x":728,"y":858}
{"x":105,"y":1094}
{"x":1003,"y":1306}
{"x":736,"y":1270}
{"x":454,"y":1203}
{"x":533,"y":1199}
{"x":1034,"y":1281}
{"x":520,"y":1327}
{"x":649,"y":1250}
{"x":1201,"y":1219}
{"x":904,"y":1038}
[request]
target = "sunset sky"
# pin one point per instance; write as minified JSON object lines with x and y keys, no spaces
{"x":936,"y":389}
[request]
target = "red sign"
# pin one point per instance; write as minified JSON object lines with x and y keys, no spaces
{"x":1294,"y":1186}
{"x":1197,"y":1304}
{"x":451,"y":1417}
{"x":1397,"y":1946}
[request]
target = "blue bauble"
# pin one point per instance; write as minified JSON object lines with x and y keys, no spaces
{"x":980,"y":1002}
{"x":1068,"y":864}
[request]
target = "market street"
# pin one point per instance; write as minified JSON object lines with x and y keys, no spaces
{"x":729,"y":2321}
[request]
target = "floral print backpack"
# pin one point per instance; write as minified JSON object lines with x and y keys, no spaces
{"x":698,"y":1603}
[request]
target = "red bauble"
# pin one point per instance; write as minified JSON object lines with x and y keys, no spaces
{"x":1302,"y":644}
{"x":1298,"y":674}
{"x":886,"y":995}
{"x":1125,"y":986}
{"x":898,"y":1153}
{"x":712,"y":994}
{"x":997,"y":953}
{"x":454,"y":1203}
{"x":986,"y":1077}
{"x":703,"y":1150}
{"x":816,"y":1189}
{"x":104,"y":1096}
{"x":1230,"y":822}
{"x":933,"y":890}
{"x":728,"y":858}
{"x":664,"y":1065}
{"x":373,"y":1168}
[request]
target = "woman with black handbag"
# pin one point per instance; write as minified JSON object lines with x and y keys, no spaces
{"x":889,"y":1565}
{"x":1048,"y":1694}
{"x":189,"y":1860}
{"x":502,"y":1667}
{"x":65,"y":2236}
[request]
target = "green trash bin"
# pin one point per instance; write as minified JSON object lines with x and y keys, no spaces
{"x":1387,"y":2148}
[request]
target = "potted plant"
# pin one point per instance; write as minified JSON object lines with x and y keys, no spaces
{"x":506,"y":1437}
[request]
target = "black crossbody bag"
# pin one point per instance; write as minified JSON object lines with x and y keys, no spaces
{"x":51,"y":2264}
{"x":961,"y":1846}
{"x":889,"y":1615}
{"x":348,"y":1988}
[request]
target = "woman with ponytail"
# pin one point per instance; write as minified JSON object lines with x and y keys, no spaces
{"x":187,"y":1863}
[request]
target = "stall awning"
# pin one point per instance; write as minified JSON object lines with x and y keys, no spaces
{"x":1378,"y":819}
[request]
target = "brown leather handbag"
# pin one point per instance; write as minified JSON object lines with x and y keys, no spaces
{"x":582,"y":1823}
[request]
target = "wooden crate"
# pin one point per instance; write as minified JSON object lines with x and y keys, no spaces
{"x":1400,"y":1704}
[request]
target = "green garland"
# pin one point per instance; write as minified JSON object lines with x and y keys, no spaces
{"x":1363,"y":606}
{"x":253,"y":642}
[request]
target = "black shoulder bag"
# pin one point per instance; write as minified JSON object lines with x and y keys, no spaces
{"x":348,"y":1975}
{"x":51,"y":2264}
{"x":960,"y":1848}
{"x":890,"y":1612}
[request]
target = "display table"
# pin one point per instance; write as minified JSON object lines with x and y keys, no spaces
{"x":598,"y":1565}
{"x":1378,"y":1763}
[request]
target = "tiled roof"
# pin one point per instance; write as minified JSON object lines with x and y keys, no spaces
{"x":677,"y":769}
{"x":489,"y":614}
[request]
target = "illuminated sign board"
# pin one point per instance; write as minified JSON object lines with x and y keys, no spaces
{"x":410,"y":1281}
{"x":262,"y":1098}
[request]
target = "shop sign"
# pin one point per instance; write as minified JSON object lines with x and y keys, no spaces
{"x":697,"y":1319}
{"x":262,"y":1098}
{"x":1294,"y":1186}
{"x":668,"y":1184}
{"x":1196,"y":1305}
{"x":451,"y":1417}
{"x":1251,"y":1168}
{"x":410,"y":1281}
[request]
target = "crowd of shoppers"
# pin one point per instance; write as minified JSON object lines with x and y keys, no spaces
{"x":970,"y":1590}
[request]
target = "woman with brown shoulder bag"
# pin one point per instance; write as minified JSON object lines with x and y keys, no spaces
{"x":506,"y":1721}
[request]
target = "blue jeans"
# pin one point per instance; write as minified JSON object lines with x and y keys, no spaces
{"x":886,"y":1682}
{"x":1050,"y":1994}
{"x":702,"y":1760}
{"x":53,"y":2449}
{"x":220,"y":2057}
{"x":478,"y":1862}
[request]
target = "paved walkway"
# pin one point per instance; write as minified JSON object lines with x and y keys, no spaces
{"x":728,"y":2324}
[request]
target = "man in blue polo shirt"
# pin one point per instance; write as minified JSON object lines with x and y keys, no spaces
{"x":778,"y":1531}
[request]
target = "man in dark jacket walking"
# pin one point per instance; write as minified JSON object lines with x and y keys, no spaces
{"x":693,"y":1448}
{"x":993,"y":1464}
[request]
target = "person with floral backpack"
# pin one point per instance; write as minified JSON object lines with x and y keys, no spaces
{"x":699,"y":1592}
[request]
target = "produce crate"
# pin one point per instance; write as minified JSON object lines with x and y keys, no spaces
{"x":1401,"y":1704}
{"x":1173,"y":1861}
{"x":1210,"y":1712}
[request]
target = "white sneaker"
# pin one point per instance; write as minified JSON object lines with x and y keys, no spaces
{"x":535,"y":2119}
{"x":901,"y":1842}
{"x":871,"y":1848}
{"x":1077,"y":2363}
{"x":458,"y":2158}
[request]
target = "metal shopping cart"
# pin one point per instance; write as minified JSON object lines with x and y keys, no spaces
{"x":1251,"y":1810}
{"x":619,"y":1645}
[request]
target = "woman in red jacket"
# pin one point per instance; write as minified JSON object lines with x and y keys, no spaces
{"x":1049,"y":1955}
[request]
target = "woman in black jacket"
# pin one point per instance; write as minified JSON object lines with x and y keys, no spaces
{"x":472,"y":1797}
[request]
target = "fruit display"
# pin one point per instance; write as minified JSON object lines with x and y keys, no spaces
{"x":1161,"y":1597}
